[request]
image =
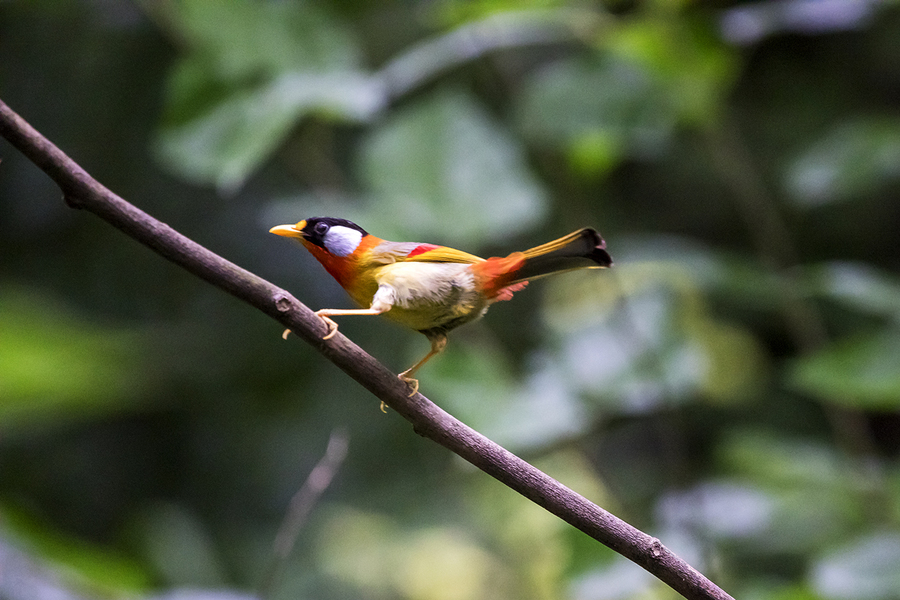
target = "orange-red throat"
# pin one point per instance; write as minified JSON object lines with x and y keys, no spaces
{"x":343,"y":259}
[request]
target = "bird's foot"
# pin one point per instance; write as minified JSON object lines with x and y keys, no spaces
{"x":413,"y":383}
{"x":330,"y":324}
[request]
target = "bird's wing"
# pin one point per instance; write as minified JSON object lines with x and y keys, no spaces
{"x":389,"y":252}
{"x":432,"y":253}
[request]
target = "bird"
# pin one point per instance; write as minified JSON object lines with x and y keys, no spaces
{"x":426,"y":287}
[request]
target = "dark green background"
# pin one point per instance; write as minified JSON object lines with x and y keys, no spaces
{"x":731,"y":386}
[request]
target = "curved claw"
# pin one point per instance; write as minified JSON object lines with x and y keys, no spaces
{"x":413,"y":383}
{"x":331,"y":325}
{"x":285,"y":333}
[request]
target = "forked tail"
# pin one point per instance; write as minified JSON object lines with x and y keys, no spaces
{"x":583,"y":249}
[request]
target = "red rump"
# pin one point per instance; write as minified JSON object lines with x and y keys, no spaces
{"x":421,"y":249}
{"x":496,"y":273}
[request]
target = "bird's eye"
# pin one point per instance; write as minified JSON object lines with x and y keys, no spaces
{"x":321,"y":228}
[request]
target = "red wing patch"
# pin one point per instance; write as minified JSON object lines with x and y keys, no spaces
{"x":421,"y":249}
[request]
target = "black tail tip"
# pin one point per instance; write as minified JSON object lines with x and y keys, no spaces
{"x":601,"y":257}
{"x":599,"y":254}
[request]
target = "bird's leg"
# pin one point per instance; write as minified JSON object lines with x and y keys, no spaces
{"x":438,"y":343}
{"x":326,"y":313}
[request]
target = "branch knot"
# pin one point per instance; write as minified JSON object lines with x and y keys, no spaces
{"x":284,"y":302}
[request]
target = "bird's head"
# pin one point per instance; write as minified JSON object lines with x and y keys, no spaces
{"x":334,"y":243}
{"x":337,"y":237}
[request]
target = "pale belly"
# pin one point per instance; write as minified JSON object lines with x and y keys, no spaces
{"x":427,"y":296}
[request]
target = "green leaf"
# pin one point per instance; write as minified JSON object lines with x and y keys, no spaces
{"x":862,"y":372}
{"x":457,"y":12}
{"x":865,"y":569}
{"x":493,"y":30}
{"x":817,"y":494}
{"x":720,"y":509}
{"x":851,"y":161}
{"x":691,"y":66}
{"x":226,"y":144}
{"x":793,"y":518}
{"x":599,"y":111}
{"x":242,"y":38}
{"x":664,"y":344}
{"x":251,"y":72}
{"x":446,"y":170}
{"x":529,"y":414}
{"x":778,"y":461}
{"x":858,"y":286}
{"x":534,"y":413}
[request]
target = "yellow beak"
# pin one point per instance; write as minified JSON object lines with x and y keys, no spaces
{"x":291,"y":231}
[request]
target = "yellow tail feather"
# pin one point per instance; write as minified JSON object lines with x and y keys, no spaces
{"x":583,"y":249}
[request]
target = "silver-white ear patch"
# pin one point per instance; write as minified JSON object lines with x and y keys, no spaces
{"x":341,"y":241}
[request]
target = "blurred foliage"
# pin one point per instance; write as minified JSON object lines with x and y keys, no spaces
{"x":732,"y":386}
{"x":52,"y":364}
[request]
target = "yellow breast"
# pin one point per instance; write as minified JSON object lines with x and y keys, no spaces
{"x":430,"y":295}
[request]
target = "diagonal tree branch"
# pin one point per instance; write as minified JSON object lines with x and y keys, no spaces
{"x":81,"y":191}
